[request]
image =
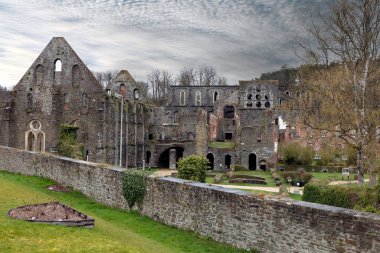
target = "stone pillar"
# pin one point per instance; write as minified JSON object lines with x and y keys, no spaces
{"x":172,"y":159}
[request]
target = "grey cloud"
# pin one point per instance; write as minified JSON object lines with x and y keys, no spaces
{"x":241,"y":38}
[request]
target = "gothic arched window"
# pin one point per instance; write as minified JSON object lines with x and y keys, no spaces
{"x":182,"y":97}
{"x":198,"y":98}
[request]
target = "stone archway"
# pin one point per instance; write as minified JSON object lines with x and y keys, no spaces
{"x":263,"y":165}
{"x":252,"y":162}
{"x":210,"y":158}
{"x":170,"y":157}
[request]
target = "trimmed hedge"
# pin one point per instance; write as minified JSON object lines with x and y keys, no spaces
{"x":193,"y":168}
{"x":353,"y":197}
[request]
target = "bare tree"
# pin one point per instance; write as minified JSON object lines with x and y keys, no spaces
{"x":4,"y":93}
{"x":204,"y":75}
{"x":207,"y":75}
{"x":159,"y":83}
{"x":341,"y":82}
{"x":187,"y":76}
{"x":105,"y":78}
{"x":222,"y":80}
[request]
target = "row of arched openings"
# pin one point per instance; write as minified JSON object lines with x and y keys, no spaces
{"x":39,"y":72}
{"x":252,"y":162}
{"x":197,"y":97}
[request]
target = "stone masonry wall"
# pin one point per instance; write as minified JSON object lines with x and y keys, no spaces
{"x":230,"y":216}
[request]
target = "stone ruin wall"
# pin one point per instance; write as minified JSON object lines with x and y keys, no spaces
{"x":229,"y":216}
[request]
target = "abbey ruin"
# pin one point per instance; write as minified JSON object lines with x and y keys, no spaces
{"x":231,"y":125}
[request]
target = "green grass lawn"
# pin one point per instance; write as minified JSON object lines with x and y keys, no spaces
{"x":115,"y":230}
{"x":330,"y":176}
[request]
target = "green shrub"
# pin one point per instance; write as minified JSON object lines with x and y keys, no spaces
{"x":294,"y":154}
{"x":289,"y":153}
{"x":350,"y":154}
{"x":193,"y":168}
{"x":327,"y":155}
{"x":312,"y":193}
{"x":134,"y":187}
{"x":297,"y":176}
{"x":333,"y":196}
{"x":356,"y":197}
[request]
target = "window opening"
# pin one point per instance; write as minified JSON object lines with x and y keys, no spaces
{"x":198,"y":98}
{"x":228,"y":136}
{"x":58,"y":65}
{"x":229,"y":112}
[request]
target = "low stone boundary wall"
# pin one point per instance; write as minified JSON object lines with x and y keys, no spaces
{"x":230,"y":216}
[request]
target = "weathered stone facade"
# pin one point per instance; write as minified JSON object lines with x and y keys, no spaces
{"x":231,"y":125}
{"x":230,"y":216}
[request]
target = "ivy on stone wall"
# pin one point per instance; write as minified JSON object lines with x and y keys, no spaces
{"x":67,"y":144}
{"x":134,"y":187}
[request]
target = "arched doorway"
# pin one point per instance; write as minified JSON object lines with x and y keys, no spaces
{"x":148,"y":155}
{"x":210,"y":158}
{"x":263,"y":165}
{"x":164,"y":159}
{"x":227,"y":161}
{"x":252,"y":162}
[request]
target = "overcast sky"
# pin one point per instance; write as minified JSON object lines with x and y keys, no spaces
{"x":240,"y":38}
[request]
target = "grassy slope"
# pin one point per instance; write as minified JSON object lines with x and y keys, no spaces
{"x":115,"y":230}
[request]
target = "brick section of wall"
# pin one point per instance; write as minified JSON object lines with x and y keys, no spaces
{"x":230,"y":216}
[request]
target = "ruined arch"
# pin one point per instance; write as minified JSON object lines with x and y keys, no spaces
{"x":164,"y":158}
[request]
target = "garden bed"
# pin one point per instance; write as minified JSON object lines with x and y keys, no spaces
{"x":52,"y":213}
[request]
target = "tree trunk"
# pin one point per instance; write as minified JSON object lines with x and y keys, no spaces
{"x":372,"y":180}
{"x":372,"y":175}
{"x":360,"y":168}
